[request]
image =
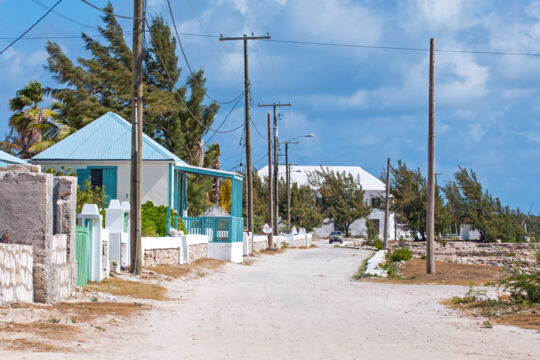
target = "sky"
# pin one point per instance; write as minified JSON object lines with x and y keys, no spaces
{"x":363,"y":104}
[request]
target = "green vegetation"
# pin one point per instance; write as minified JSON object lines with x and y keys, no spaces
{"x":470,"y":204}
{"x":522,"y":286}
{"x":400,"y":254}
{"x":154,"y":220}
{"x":341,"y":196}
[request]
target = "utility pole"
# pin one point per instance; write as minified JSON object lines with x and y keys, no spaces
{"x":136,"y":137}
{"x":249,"y":174}
{"x":430,"y":224}
{"x":270,"y":202}
{"x":288,"y":175}
{"x":276,"y":165}
{"x":387,"y":205}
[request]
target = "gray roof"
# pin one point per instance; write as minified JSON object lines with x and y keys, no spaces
{"x":106,"y":138}
{"x":217,"y":211}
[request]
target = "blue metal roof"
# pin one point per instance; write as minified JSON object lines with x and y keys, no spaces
{"x":10,"y":159}
{"x":106,"y":138}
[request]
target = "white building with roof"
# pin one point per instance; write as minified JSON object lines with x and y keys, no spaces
{"x":374,"y":190}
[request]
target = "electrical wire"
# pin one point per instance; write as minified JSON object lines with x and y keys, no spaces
{"x":181,"y":99}
{"x":70,"y":19}
{"x":257,"y":130}
{"x":107,"y":12}
{"x":187,"y":62}
{"x":212,"y":42}
{"x":225,"y":119}
{"x":31,"y":27}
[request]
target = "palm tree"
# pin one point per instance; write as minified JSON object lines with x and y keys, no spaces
{"x":32,"y":128}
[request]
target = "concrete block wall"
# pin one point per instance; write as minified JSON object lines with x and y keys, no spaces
{"x":16,"y":280}
{"x":33,"y":207}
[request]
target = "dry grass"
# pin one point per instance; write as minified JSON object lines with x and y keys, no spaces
{"x":271,"y":251}
{"x":414,"y":272}
{"x":135,"y":289}
{"x":198,"y":268}
{"x":85,"y":312}
{"x":502,"y":311}
{"x":312,"y":246}
{"x":36,"y":346}
{"x":60,"y":325}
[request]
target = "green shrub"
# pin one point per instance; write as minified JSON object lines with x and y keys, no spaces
{"x":154,"y":220}
{"x":522,"y":286}
{"x":378,"y":243}
{"x":401,"y":254}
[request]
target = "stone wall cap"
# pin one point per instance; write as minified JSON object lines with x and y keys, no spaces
{"x":89,"y":210}
{"x":114,"y":204}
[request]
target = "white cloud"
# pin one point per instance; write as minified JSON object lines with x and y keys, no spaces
{"x":358,"y":99}
{"x":333,"y":20}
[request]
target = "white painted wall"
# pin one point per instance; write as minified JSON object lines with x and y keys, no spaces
{"x":229,"y":251}
{"x":155,"y":177}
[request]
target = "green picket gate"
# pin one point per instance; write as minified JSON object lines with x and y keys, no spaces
{"x":81,"y":254}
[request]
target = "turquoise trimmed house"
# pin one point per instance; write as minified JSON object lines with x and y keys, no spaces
{"x":101,"y":153}
{"x":8,"y":159}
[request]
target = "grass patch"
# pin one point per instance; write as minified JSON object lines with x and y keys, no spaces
{"x":502,"y":311}
{"x":198,"y":267}
{"x":361,"y":270}
{"x":414,"y":272}
{"x":136,"y":289}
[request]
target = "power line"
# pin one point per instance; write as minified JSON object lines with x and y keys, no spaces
{"x":257,"y":130}
{"x":106,"y":11}
{"x":213,"y":43}
{"x":186,"y":59}
{"x":382,"y":47}
{"x":181,"y":99}
{"x":301,"y":42}
{"x":70,"y":19}
{"x":225,"y":119}
{"x":31,"y":27}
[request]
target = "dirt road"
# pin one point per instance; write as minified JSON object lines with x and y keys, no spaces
{"x":302,"y":304}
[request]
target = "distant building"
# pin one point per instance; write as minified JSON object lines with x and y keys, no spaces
{"x":374,"y":191}
{"x":8,"y":159}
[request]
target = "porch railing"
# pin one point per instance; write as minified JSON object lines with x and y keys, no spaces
{"x":226,"y":229}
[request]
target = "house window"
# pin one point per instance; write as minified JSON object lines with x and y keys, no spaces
{"x":376,"y":202}
{"x":96,"y":177}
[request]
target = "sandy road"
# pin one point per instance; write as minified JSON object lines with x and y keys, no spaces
{"x":302,"y":304}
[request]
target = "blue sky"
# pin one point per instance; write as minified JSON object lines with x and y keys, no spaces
{"x":363,"y":104}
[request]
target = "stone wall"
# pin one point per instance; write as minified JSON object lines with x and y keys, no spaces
{"x":33,"y":207}
{"x":470,"y":252}
{"x":260,"y":245}
{"x":16,"y":280}
{"x":154,"y":257}
{"x":197,"y":251}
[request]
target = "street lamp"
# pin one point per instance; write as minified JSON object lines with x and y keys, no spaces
{"x":288,"y":173}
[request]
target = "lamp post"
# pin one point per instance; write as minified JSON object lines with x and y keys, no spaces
{"x":288,"y":173}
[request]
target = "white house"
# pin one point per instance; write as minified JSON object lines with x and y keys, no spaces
{"x":373,"y":187}
{"x":101,"y":152}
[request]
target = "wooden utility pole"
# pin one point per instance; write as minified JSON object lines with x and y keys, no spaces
{"x":387,"y":205}
{"x":288,"y":173}
{"x":275,"y":178}
{"x":249,"y":174}
{"x":136,"y":136}
{"x":430,"y":223}
{"x":270,"y":202}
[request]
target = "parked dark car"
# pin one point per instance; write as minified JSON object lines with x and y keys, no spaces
{"x":336,"y":236}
